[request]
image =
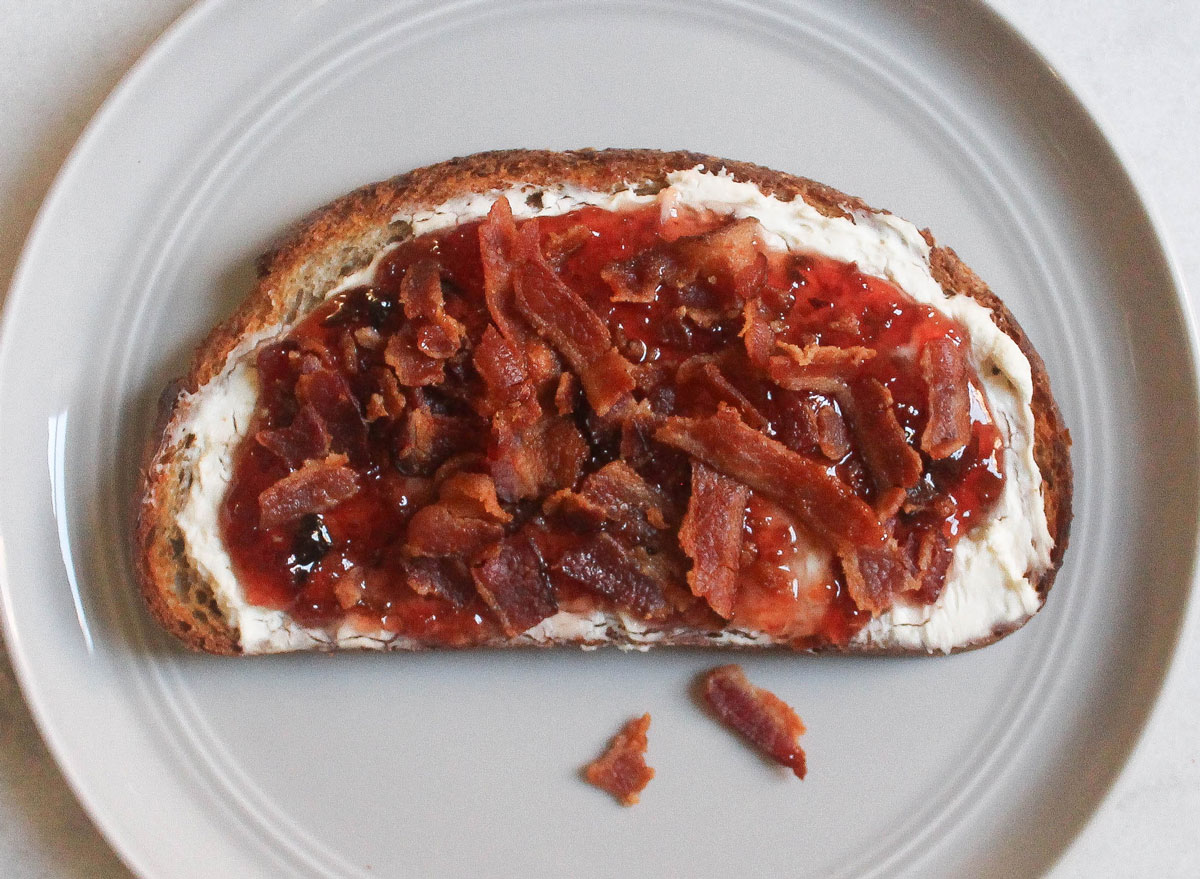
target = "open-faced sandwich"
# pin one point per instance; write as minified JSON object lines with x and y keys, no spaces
{"x":620,"y":397}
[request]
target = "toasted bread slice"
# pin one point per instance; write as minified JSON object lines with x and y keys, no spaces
{"x":343,"y":239}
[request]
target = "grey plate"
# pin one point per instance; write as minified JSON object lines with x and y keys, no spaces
{"x":247,"y":115}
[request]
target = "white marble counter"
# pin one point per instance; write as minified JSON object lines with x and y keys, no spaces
{"x":1136,"y":63}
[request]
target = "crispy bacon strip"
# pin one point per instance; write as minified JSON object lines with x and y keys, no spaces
{"x":891,"y":461}
{"x":443,"y":529}
{"x":568,"y":323}
{"x":765,"y":720}
{"x":711,"y":535}
{"x":824,"y":504}
{"x":624,"y":576}
{"x":943,"y":365}
{"x":497,"y":252}
{"x":757,"y":333}
{"x":438,"y":334}
{"x":622,"y":769}
{"x":427,"y":438}
{"x":828,"y":428}
{"x":314,"y":488}
{"x":514,"y":586}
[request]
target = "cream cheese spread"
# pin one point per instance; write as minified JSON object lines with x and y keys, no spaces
{"x":987,"y":586}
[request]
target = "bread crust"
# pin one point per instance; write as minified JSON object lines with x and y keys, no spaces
{"x":340,"y":237}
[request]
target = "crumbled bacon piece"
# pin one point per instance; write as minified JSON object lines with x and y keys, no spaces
{"x":497,"y":252}
{"x":622,"y":769}
{"x":438,"y":334}
{"x":626,"y":577}
{"x":413,"y":367}
{"x":891,"y":461}
{"x":711,"y":535}
{"x":314,"y":488}
{"x":726,"y":253}
{"x":566,"y":393}
{"x":626,"y":502}
{"x":568,"y":323}
{"x":876,"y":574}
{"x":427,"y":438}
{"x":305,"y":438}
{"x":638,"y":280}
{"x":333,"y":400}
{"x":824,"y":503}
{"x":441,"y":530}
{"x":512,"y":583}
{"x":757,"y":334}
{"x":444,"y":577}
{"x":702,"y":370}
{"x":765,"y":720}
{"x":528,"y":460}
{"x":823,"y":421}
{"x":943,"y":365}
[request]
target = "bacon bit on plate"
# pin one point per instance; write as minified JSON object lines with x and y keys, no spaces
{"x":765,"y":720}
{"x":622,"y":769}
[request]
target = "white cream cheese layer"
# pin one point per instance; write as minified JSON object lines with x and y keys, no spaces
{"x":987,"y":586}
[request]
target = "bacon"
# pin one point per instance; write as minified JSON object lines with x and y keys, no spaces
{"x":711,"y":535}
{"x":616,"y":496}
{"x":444,"y":577}
{"x":876,"y":574}
{"x":438,"y":334}
{"x":757,"y":333}
{"x":761,"y":717}
{"x":390,"y":395}
{"x":497,"y":252}
{"x":622,"y":770}
{"x":638,"y":280}
{"x":512,"y":583}
{"x":827,"y":425}
{"x":890,"y":460}
{"x":473,"y":494}
{"x":702,"y":370}
{"x":933,"y":557}
{"x":426,"y":439}
{"x":824,"y":504}
{"x":625,"y":577}
{"x":530,"y":460}
{"x":334,"y":402}
{"x":943,"y":365}
{"x":505,"y":373}
{"x":566,"y":393}
{"x":413,"y":367}
{"x":305,"y":438}
{"x":561,"y":245}
{"x":568,"y":323}
{"x":442,"y":530}
{"x":316,"y":487}
{"x":727,"y":253}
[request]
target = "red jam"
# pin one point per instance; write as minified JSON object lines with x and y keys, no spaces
{"x":360,"y":430}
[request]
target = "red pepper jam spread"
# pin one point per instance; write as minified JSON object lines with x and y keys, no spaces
{"x":645,"y":411}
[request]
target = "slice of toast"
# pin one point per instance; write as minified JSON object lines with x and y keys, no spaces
{"x":178,"y":555}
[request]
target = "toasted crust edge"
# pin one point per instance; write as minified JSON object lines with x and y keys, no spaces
{"x":340,"y":237}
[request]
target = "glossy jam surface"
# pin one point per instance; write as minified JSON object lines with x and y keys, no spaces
{"x":355,"y":559}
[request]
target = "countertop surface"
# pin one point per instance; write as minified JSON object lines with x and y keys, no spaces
{"x":1134,"y":63}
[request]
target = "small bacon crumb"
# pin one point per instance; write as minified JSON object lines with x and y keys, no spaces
{"x":764,"y":719}
{"x":621,"y":770}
